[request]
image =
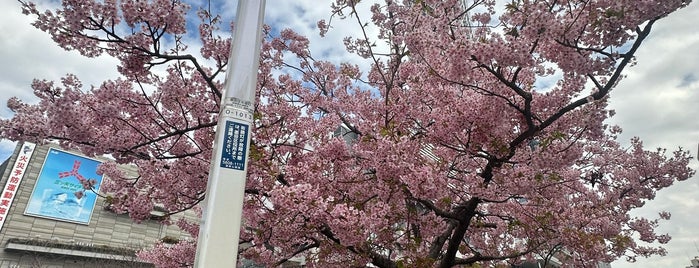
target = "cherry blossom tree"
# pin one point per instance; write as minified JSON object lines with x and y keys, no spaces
{"x":460,"y":153}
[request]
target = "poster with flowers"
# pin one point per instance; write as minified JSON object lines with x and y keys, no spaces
{"x":66,"y":188}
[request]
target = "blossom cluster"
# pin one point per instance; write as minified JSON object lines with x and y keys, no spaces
{"x":443,"y":153}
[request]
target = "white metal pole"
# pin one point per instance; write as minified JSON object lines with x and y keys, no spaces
{"x":219,"y":231}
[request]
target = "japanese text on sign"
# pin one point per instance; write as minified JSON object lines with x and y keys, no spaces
{"x":18,"y":171}
{"x":234,"y":145}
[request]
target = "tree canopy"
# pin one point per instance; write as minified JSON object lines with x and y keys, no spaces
{"x":457,"y":155}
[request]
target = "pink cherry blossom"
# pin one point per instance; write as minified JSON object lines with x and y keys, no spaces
{"x":449,"y":155}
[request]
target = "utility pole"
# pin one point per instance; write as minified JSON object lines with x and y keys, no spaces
{"x":219,"y":231}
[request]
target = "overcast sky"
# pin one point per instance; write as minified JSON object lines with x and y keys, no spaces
{"x":659,"y":100}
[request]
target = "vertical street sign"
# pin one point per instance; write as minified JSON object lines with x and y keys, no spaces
{"x":219,"y":231}
{"x":14,"y":179}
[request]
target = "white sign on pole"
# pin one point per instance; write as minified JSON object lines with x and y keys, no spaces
{"x":219,"y":231}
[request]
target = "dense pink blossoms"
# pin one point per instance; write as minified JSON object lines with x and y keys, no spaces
{"x":459,"y":158}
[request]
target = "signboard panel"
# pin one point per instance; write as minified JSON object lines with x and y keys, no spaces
{"x":15,"y":178}
{"x":59,"y":191}
{"x":234,"y":145}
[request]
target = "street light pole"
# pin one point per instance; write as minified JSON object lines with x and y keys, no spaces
{"x":219,"y":231}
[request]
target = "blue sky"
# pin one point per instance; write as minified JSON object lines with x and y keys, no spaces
{"x":658,"y":101}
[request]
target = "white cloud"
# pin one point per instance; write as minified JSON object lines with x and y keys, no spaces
{"x":659,"y":102}
{"x":303,"y":16}
{"x":28,"y":54}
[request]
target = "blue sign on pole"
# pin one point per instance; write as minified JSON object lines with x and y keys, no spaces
{"x":234,"y":145}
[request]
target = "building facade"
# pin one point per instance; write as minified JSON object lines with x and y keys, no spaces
{"x":48,"y":220}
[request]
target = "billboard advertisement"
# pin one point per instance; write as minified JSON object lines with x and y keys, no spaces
{"x":60,"y":191}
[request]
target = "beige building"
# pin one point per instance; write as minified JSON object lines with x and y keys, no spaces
{"x":47,"y":220}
